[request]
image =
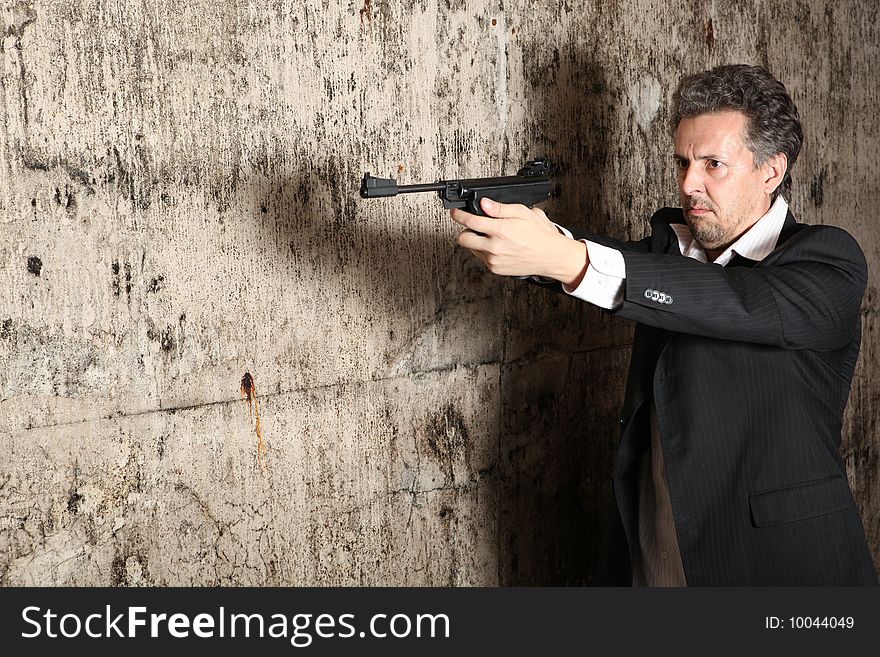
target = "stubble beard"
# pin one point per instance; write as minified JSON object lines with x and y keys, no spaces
{"x":708,"y":234}
{"x":711,"y":231}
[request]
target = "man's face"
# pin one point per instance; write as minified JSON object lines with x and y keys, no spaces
{"x":722,"y":193}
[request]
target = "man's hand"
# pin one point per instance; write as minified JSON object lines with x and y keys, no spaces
{"x":521,"y":241}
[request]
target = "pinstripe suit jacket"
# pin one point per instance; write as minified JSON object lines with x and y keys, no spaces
{"x":749,"y":367}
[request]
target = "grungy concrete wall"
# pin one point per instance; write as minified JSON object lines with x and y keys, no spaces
{"x":219,"y":366}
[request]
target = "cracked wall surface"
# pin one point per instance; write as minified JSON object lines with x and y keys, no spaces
{"x":186,"y":264}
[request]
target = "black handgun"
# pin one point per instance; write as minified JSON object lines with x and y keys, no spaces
{"x":529,"y":186}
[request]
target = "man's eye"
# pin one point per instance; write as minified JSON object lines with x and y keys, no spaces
{"x":681,"y":164}
{"x":714,"y":164}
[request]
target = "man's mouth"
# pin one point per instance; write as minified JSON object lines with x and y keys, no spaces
{"x":698,"y":211}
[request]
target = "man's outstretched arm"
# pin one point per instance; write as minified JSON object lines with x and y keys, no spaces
{"x":808,"y":297}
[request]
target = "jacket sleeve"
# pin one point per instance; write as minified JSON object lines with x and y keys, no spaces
{"x":805,"y":296}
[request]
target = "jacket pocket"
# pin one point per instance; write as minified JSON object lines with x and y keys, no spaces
{"x":800,"y":502}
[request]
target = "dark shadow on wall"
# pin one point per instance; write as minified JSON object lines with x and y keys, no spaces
{"x":565,"y":361}
{"x":379,"y":256}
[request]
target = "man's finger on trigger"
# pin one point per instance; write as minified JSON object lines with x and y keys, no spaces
{"x":472,"y":241}
{"x":459,"y":216}
{"x":478,"y":224}
{"x":471,"y":221}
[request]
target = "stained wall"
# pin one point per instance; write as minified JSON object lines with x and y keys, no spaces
{"x":218,"y":365}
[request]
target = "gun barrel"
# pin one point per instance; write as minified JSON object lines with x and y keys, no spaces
{"x":423,"y":187}
{"x":372,"y":187}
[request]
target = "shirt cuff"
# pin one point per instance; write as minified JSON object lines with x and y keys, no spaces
{"x":603,"y":282}
{"x":565,"y":231}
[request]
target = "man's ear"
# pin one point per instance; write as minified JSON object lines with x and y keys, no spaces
{"x":774,"y":172}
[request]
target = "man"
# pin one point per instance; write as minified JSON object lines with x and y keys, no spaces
{"x":748,"y":326}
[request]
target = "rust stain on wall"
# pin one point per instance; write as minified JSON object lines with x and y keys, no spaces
{"x":367,"y":11}
{"x":249,"y":392}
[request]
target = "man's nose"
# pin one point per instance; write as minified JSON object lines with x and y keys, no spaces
{"x":692,"y":179}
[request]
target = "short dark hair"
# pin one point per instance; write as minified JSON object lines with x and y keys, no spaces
{"x":773,"y":122}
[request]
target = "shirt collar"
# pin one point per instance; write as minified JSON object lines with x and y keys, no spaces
{"x":755,"y":244}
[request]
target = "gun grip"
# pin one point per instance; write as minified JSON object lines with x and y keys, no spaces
{"x":473,"y":206}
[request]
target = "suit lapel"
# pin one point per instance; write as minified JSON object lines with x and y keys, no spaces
{"x":740,"y":261}
{"x":789,"y":228}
